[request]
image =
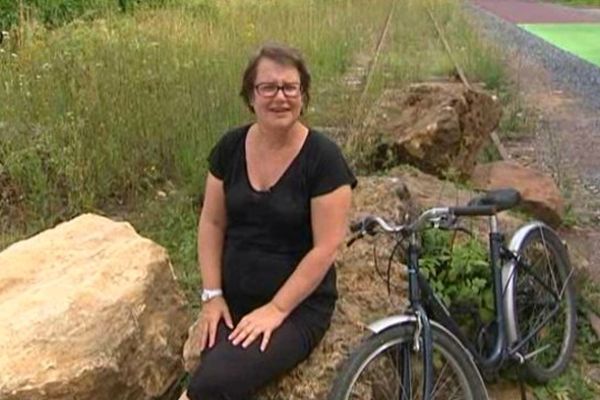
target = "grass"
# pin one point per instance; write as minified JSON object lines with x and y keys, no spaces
{"x":171,"y":220}
{"x":579,"y":39}
{"x":592,"y":3}
{"x":99,"y":113}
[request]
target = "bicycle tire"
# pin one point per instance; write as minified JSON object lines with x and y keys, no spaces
{"x":531,"y":299}
{"x":468,"y":379}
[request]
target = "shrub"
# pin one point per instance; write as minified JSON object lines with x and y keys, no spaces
{"x":459,"y":272}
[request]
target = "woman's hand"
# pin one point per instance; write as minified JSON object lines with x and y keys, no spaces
{"x":262,"y":321}
{"x":212,"y":312}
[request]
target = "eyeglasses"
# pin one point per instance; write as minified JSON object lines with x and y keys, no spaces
{"x":268,"y":89}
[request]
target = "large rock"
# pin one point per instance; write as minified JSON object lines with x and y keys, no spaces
{"x":363,"y":294}
{"x":437,"y":127}
{"x":541,"y":196}
{"x":89,"y":310}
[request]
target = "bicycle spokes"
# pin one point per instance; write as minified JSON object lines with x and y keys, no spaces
{"x":397,"y":373}
{"x":541,"y":313}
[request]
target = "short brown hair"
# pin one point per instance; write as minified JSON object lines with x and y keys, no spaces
{"x":283,"y":55}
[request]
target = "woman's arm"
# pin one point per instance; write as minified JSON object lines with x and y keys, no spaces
{"x":329,"y":215}
{"x":211,"y":234}
{"x":329,"y":218}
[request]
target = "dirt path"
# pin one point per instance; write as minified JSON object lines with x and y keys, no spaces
{"x":566,"y":141}
{"x":566,"y":144}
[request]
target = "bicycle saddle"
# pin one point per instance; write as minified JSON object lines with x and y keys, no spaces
{"x":503,"y":199}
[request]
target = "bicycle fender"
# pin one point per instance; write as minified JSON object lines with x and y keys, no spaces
{"x":394,"y":320}
{"x":388,"y":322}
{"x":508,"y":270}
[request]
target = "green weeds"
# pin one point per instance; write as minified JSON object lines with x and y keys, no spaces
{"x":458,"y":271}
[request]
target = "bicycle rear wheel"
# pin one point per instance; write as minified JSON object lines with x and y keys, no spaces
{"x":386,"y":367}
{"x":541,"y":304}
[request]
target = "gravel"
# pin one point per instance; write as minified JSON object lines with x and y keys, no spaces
{"x":568,"y":72}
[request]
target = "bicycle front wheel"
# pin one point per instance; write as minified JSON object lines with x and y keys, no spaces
{"x":541,"y":304}
{"x":386,"y":367}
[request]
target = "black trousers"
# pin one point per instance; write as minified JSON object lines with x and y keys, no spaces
{"x":229,"y":372}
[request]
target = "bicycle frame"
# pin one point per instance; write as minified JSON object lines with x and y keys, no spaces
{"x":427,"y":298}
{"x":426,"y":305}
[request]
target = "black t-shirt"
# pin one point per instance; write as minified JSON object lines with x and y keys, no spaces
{"x":269,"y":232}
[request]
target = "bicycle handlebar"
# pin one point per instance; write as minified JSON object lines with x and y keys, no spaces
{"x":370,"y":222}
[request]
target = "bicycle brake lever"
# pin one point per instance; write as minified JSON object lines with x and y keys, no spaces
{"x":443,"y":223}
{"x":450,"y":227}
{"x":354,"y":239}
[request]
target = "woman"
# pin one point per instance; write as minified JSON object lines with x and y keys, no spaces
{"x":275,"y":211}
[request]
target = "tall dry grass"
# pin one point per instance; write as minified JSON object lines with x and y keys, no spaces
{"x":102,"y":111}
{"x":100,"y":115}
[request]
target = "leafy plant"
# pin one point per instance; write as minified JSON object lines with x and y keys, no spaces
{"x":459,"y":273}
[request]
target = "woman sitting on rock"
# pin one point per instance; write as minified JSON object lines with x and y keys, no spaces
{"x":275,"y":211}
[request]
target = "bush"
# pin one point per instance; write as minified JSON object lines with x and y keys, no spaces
{"x":54,"y":13}
{"x":459,"y":272}
{"x":50,"y":12}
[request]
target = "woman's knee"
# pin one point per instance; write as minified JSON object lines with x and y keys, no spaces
{"x":199,"y":390}
{"x":208,"y":386}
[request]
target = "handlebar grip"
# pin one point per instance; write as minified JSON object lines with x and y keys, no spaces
{"x":473,"y":210}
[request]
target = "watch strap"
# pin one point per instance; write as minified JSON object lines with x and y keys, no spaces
{"x":208,"y":294}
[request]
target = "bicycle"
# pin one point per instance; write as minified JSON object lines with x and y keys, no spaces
{"x":424,"y":354}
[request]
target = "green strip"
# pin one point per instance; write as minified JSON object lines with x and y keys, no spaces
{"x":583,"y":40}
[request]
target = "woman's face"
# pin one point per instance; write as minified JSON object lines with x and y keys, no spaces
{"x":277,"y":96}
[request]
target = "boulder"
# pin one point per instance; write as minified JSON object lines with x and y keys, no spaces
{"x":363,"y":296}
{"x":438,"y":127}
{"x":541,"y":196}
{"x":90,"y":311}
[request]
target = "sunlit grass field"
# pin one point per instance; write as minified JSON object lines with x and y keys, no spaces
{"x":116,"y":114}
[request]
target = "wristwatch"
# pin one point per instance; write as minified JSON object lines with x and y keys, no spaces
{"x":208,"y":294}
